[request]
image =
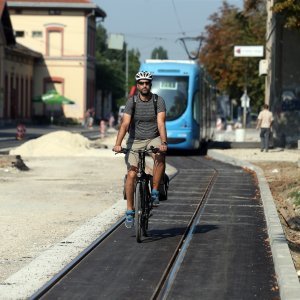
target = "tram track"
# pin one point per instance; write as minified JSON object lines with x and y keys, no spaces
{"x":158,"y":290}
{"x":165,"y":283}
{"x":115,"y":264}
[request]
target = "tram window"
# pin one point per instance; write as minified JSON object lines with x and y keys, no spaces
{"x":174,"y":91}
{"x":196,"y":107}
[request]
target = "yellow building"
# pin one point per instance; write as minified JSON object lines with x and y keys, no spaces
{"x":64,"y":33}
{"x":16,"y":73}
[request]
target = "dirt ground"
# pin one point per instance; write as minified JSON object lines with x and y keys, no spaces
{"x":284,"y":182}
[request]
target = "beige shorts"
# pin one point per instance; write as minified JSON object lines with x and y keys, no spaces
{"x":132,"y":158}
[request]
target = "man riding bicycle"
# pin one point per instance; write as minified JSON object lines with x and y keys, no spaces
{"x":145,"y":121}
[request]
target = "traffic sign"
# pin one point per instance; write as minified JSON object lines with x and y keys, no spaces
{"x":245,"y":100}
{"x":248,"y":51}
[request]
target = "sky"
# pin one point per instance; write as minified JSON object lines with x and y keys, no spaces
{"x":148,"y":24}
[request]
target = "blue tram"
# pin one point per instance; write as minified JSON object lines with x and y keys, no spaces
{"x":190,"y":99}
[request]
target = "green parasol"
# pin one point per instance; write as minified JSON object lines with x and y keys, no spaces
{"x":52,"y":97}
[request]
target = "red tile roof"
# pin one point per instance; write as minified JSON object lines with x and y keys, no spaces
{"x":74,"y":4}
{"x":53,"y":1}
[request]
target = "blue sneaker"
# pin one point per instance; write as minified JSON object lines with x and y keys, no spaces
{"x":155,"y":197}
{"x":129,"y":218}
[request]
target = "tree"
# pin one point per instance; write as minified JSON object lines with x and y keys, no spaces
{"x":290,"y":12}
{"x":111,"y":66}
{"x":133,"y":66}
{"x":159,"y":53}
{"x":109,"y":69}
{"x":230,"y":27}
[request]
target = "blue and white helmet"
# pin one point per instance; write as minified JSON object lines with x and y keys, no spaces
{"x":143,"y":75}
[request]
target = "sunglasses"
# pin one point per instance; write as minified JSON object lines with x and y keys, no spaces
{"x":143,"y":83}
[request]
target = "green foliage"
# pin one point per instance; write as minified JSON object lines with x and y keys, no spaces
{"x":111,"y":66}
{"x":230,"y":27}
{"x":159,"y":53}
{"x":290,"y":11}
{"x":133,"y":66}
{"x":296,"y":197}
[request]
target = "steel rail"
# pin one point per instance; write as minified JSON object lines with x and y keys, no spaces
{"x":169,"y":274}
{"x":48,"y":285}
{"x":51,"y":283}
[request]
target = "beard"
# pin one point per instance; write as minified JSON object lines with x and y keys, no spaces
{"x":145,"y":92}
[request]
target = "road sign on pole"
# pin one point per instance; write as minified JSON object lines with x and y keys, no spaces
{"x":248,"y":51}
{"x":245,"y":100}
{"x":116,"y":41}
{"x":245,"y":103}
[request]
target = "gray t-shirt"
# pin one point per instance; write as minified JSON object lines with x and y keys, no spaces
{"x":144,"y":124}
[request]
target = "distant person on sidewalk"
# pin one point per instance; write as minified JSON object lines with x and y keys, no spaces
{"x":145,"y":118}
{"x":264,"y":123}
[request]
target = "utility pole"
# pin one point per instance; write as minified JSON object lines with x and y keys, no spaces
{"x":117,"y":42}
{"x":126,"y":71}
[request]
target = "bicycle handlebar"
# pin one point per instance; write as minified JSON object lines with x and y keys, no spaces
{"x":151,"y":150}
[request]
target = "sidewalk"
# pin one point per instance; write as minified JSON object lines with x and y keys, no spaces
{"x":287,"y":277}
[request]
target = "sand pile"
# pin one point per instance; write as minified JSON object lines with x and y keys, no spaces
{"x":59,"y":143}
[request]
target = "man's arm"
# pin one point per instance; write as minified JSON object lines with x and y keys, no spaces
{"x":258,"y":123}
{"x":161,"y":124}
{"x":122,"y":132}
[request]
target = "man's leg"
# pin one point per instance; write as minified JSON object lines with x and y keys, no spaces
{"x":158,"y":169}
{"x":131,"y":161}
{"x":262,"y":139}
{"x":129,"y":187}
{"x":267,"y":137}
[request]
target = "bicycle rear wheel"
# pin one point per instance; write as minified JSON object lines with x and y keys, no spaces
{"x":138,"y":211}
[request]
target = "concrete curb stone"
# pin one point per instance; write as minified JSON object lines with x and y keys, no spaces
{"x":289,"y":286}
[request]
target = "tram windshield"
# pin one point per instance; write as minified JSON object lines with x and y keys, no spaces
{"x":174,"y":91}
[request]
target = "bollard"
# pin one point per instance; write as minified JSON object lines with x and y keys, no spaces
{"x":21,"y":130}
{"x":102,"y":128}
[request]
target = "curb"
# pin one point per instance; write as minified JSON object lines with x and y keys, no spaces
{"x":288,"y":282}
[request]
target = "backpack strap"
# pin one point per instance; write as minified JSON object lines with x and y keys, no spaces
{"x":155,"y":103}
{"x":133,"y":106}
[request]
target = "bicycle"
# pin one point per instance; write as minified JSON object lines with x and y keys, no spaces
{"x":142,"y":195}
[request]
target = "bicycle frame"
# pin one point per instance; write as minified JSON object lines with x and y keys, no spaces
{"x":142,"y":201}
{"x":142,"y":196}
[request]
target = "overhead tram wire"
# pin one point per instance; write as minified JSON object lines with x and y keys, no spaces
{"x":177,"y":18}
{"x":196,"y":55}
{"x":184,"y":39}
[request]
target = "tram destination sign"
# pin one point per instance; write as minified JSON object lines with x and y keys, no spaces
{"x":248,"y":51}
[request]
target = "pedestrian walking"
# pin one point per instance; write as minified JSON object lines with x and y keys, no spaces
{"x":264,"y":123}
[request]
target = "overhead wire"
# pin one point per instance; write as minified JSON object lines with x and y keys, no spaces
{"x":177,"y":17}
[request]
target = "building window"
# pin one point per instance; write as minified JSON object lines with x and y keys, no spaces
{"x":54,"y":12}
{"x":37,"y":34}
{"x":19,"y":34}
{"x":54,"y":41}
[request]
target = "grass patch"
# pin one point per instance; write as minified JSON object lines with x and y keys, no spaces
{"x":296,"y":197}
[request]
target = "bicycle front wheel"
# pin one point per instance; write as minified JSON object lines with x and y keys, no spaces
{"x":138,"y":211}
